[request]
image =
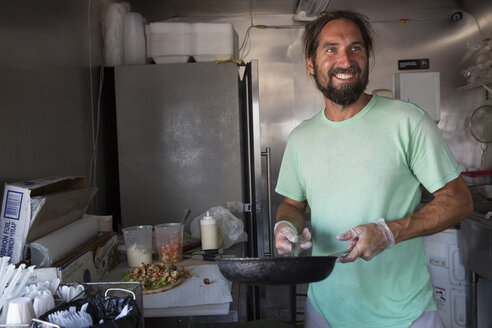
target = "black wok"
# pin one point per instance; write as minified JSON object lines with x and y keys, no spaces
{"x":277,"y":270}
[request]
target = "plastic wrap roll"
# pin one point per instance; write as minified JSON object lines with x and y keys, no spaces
{"x":113,"y":32}
{"x":53,"y":247}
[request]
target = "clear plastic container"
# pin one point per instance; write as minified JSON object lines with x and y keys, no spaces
{"x":138,"y":242}
{"x":169,"y":242}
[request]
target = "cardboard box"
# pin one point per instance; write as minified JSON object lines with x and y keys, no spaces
{"x":80,"y":269}
{"x":32,"y":209}
{"x":89,"y":264}
{"x":91,"y":261}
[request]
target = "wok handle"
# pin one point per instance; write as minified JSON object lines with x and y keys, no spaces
{"x":268,"y":154}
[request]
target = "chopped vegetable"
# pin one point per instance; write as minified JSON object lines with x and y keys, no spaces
{"x":156,"y":275}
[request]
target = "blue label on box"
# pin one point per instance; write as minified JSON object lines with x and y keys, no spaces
{"x":13,"y":203}
{"x":8,"y":234}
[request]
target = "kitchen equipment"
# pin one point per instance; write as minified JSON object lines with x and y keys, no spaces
{"x":448,"y":275}
{"x":170,"y":149}
{"x":481,"y":129}
{"x":138,"y":242}
{"x":477,"y":240}
{"x":169,"y":242}
{"x":189,"y":137}
{"x":476,"y":243}
{"x":277,"y":270}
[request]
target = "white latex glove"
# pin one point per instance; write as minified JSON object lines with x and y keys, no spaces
{"x":286,"y":238}
{"x":367,"y":241}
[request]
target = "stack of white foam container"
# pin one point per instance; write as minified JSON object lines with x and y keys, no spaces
{"x":212,"y":41}
{"x":169,"y":42}
{"x":175,"y":42}
{"x":448,"y":276}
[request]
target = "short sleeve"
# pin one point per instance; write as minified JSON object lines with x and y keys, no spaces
{"x":289,"y":183}
{"x":430,"y":158}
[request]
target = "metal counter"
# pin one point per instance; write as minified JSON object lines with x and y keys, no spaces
{"x":476,"y":243}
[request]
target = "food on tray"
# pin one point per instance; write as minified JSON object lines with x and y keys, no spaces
{"x":156,"y":277}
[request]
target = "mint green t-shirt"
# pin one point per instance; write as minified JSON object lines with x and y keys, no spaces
{"x":354,"y":172}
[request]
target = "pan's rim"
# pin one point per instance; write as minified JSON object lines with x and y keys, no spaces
{"x":267,"y":259}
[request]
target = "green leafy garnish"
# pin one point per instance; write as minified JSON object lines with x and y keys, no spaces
{"x":126,"y":276}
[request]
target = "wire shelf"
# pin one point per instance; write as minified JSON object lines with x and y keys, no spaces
{"x":481,"y":83}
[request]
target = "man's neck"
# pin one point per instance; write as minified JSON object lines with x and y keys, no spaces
{"x":338,"y":113}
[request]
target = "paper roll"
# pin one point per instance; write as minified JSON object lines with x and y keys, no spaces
{"x":54,"y":246}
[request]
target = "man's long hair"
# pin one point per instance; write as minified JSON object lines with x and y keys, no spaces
{"x":313,"y":30}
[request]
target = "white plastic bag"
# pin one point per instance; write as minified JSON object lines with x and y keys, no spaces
{"x":231,"y":227}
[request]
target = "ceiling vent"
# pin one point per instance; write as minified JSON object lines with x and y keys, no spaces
{"x":309,"y":10}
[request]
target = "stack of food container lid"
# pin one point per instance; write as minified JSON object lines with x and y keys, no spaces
{"x":175,"y":42}
{"x":212,"y":41}
{"x":169,"y":42}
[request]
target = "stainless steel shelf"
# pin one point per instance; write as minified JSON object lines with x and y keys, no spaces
{"x":482,"y":83}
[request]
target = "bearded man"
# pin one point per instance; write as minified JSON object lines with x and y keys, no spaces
{"x":359,"y":164}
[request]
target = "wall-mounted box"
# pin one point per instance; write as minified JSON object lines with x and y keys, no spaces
{"x":422,"y":89}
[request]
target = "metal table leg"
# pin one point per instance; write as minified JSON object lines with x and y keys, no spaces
{"x":471,"y":307}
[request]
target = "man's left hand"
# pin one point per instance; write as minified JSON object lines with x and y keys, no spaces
{"x":367,"y":241}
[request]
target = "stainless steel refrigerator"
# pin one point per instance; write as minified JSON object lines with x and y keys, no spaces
{"x":188,"y":137}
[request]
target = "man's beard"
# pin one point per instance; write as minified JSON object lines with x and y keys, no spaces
{"x":348,"y":93}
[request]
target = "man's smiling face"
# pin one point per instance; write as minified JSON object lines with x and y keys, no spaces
{"x":341,"y":63}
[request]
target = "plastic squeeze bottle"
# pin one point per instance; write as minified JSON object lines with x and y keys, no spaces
{"x":209,"y":233}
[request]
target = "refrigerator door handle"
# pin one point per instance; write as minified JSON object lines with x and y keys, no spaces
{"x":268,"y":154}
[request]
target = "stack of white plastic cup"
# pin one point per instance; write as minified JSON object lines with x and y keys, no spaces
{"x":134,"y":39}
{"x":113,"y":32}
{"x":20,"y":311}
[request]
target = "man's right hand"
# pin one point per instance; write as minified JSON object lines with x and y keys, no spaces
{"x":286,"y":237}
